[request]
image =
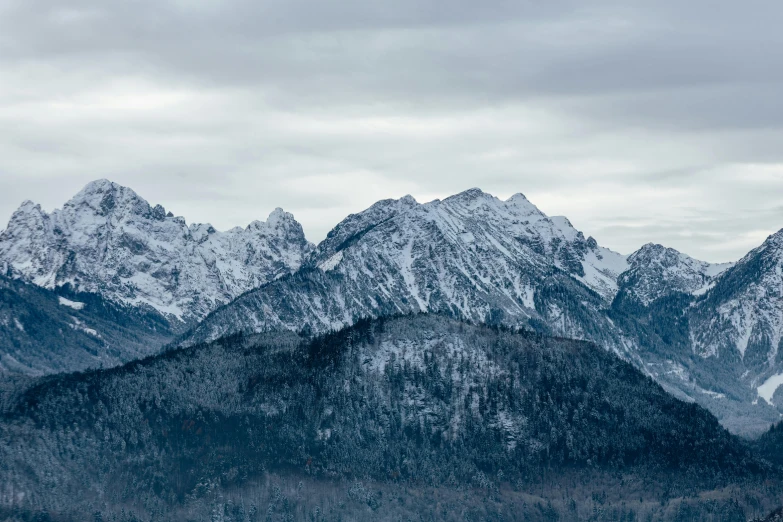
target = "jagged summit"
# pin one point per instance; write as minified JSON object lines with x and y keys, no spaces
{"x":744,"y":309}
{"x":474,"y":219}
{"x":471,"y":255}
{"x":470,"y":195}
{"x":656,"y":271}
{"x":28,"y":206}
{"x":105,"y":198}
{"x":773,"y":241}
{"x":109,"y":240}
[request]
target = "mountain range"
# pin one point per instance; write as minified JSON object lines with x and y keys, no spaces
{"x":707,"y":333}
{"x":110,"y":241}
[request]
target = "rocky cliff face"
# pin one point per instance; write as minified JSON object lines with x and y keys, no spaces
{"x":471,"y":256}
{"x":655,"y":271}
{"x":743,"y":313}
{"x":740,"y":320}
{"x":109,"y":241}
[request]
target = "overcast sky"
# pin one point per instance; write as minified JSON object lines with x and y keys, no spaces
{"x":641,"y":121}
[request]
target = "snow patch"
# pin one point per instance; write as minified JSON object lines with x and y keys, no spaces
{"x":81,"y":327}
{"x":714,"y":395}
{"x":529,"y":298}
{"x":332,"y":262}
{"x":767,"y":390}
{"x":72,"y":304}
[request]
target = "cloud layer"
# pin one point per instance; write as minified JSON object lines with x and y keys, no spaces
{"x":641,"y":121}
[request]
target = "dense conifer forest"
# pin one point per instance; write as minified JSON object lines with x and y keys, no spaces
{"x":373,"y":422}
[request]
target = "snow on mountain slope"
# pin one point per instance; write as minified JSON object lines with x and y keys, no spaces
{"x":655,"y":271}
{"x":743,"y":313}
{"x":110,"y":241}
{"x":42,"y":332}
{"x":470,"y":255}
{"x":476,"y":222}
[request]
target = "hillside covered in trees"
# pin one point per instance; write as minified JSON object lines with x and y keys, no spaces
{"x":44,"y":331}
{"x":422,"y":402}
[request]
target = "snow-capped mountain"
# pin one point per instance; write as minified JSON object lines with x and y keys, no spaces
{"x":476,"y":225}
{"x":708,"y":333}
{"x":108,"y":240}
{"x":742,"y":317}
{"x":655,"y":271}
{"x":471,"y":256}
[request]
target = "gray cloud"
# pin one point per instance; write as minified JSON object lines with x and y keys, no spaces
{"x":644,"y":121}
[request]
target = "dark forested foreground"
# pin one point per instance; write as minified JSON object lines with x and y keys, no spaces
{"x":302,"y":497}
{"x":421,"y":418}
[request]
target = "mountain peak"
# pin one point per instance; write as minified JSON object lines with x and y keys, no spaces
{"x":651,"y":250}
{"x":408,"y":200}
{"x":98,"y":187}
{"x":28,"y":205}
{"x":109,"y":240}
{"x":471,"y":194}
{"x":279,"y":216}
{"x":518,"y":199}
{"x":521,"y":203}
{"x":25,"y":211}
{"x":656,"y":271}
{"x":100,"y":184}
{"x":105,"y":197}
{"x":279,"y":213}
{"x":775,"y":239}
{"x":24,"y":223}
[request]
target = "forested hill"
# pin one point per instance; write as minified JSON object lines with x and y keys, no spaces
{"x":418,"y":400}
{"x":43,"y":331}
{"x":770,"y":444}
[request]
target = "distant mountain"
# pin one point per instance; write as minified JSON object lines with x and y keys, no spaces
{"x":743,"y":314}
{"x":43,"y":332}
{"x":740,"y":321}
{"x":421,"y":401}
{"x":656,"y":271}
{"x":109,"y":241}
{"x":720,"y":347}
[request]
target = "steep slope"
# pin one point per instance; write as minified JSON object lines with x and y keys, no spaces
{"x":472,"y":256}
{"x":108,"y":240}
{"x":656,"y":271}
{"x":420,"y":400}
{"x":740,"y":320}
{"x":709,"y":333}
{"x":42,"y":332}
